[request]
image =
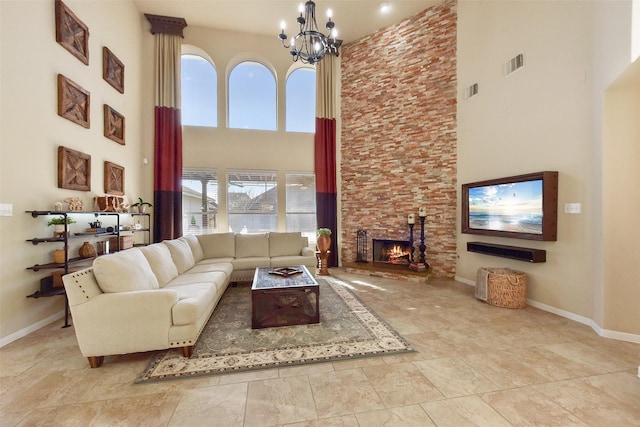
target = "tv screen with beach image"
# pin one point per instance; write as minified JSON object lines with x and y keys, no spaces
{"x":511,"y":207}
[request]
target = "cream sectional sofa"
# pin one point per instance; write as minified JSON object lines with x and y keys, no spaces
{"x":162,"y":295}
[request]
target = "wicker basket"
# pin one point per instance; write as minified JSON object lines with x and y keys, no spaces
{"x":506,"y":288}
{"x":126,"y":242}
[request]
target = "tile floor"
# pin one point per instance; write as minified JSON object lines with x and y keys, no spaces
{"x":476,"y":365}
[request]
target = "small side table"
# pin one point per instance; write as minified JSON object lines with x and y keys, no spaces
{"x":323,"y":263}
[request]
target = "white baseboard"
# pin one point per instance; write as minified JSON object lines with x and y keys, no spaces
{"x":465,"y":281}
{"x":26,"y":331}
{"x":620,"y":336}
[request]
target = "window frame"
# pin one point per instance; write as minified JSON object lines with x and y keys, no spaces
{"x":187,"y":51}
{"x":292,"y":71}
{"x":233,"y":67}
{"x":244,"y":180}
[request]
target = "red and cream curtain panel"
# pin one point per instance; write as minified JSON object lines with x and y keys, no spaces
{"x":325,"y":150}
{"x":168,"y":139}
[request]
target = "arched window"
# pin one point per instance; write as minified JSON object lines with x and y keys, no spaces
{"x":301,"y":100}
{"x":252,"y":97}
{"x":199,"y":91}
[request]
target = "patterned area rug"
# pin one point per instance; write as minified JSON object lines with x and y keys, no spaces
{"x":347,"y":329}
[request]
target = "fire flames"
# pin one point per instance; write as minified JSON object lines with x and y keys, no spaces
{"x":397,"y":255}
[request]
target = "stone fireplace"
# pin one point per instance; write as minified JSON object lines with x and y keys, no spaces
{"x":399,"y":151}
{"x":396,"y":252}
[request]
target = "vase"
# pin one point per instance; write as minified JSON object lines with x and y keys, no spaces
{"x":59,"y":256}
{"x":142,"y":209}
{"x":58,"y":230}
{"x":87,"y":250}
{"x":324,"y":242}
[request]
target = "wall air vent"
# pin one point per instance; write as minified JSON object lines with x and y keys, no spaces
{"x":514,"y":64}
{"x":471,"y":91}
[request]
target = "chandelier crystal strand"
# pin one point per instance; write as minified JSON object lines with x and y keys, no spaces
{"x":310,"y":45}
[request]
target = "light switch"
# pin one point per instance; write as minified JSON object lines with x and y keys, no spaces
{"x":572,"y":208}
{"x":6,"y":209}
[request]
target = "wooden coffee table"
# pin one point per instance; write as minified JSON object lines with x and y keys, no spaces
{"x":284,"y":299}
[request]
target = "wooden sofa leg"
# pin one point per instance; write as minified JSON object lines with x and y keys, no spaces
{"x":95,"y":361}
{"x":187,"y":350}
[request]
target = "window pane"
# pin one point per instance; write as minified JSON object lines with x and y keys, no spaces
{"x":301,"y":100}
{"x":301,"y":204}
{"x":199,"y":201}
{"x":199,"y":92}
{"x":252,"y":97}
{"x":252,"y":200}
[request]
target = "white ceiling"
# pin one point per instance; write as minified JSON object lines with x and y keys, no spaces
{"x":354,"y":18}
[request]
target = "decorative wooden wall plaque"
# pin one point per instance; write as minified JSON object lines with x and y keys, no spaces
{"x":72,"y":33}
{"x":113,"y":125}
{"x":112,"y":69}
{"x":74,"y":169}
{"x":73,"y":102}
{"x":113,"y":179}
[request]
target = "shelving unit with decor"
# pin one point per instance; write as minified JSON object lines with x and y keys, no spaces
{"x":144,"y":229}
{"x":51,"y":285}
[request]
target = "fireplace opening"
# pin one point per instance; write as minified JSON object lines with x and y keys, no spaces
{"x":396,"y":252}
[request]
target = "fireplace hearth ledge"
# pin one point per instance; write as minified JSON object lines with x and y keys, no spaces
{"x":387,"y":271}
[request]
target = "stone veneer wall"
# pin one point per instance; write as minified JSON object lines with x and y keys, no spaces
{"x":398,"y":113}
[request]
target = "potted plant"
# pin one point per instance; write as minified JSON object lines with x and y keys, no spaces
{"x":141,"y":205}
{"x":58,"y":224}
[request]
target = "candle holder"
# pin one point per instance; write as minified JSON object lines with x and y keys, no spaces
{"x":422,"y":246}
{"x":411,"y":242}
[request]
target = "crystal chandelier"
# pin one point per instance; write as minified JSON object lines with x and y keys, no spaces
{"x":310,"y":45}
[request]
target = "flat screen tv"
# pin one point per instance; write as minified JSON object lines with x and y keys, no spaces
{"x":522,"y":207}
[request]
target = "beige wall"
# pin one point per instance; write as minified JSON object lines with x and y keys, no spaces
{"x":548,"y":116}
{"x":612,"y":49}
{"x":533,"y":120}
{"x":621,"y":203}
{"x":31,"y":131}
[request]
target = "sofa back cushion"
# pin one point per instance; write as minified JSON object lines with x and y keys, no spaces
{"x":194,"y":244}
{"x":181,"y":254}
{"x":161,"y":263}
{"x":124,"y":271}
{"x":285,"y":244}
{"x":252,"y":245}
{"x":218,"y":245}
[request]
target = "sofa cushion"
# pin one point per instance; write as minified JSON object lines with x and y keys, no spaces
{"x":194,"y":300}
{"x":214,"y":277}
{"x":218,"y":245}
{"x":252,"y":245}
{"x":194,"y":244}
{"x":181,"y":254}
{"x":216,"y":261}
{"x":285,"y":244}
{"x":250,"y":263}
{"x":160,"y":261}
{"x":124,"y":271}
{"x":203,"y":267}
{"x":290,"y":261}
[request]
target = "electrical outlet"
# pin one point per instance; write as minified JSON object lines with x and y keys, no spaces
{"x":6,"y":209}
{"x":572,"y":208}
